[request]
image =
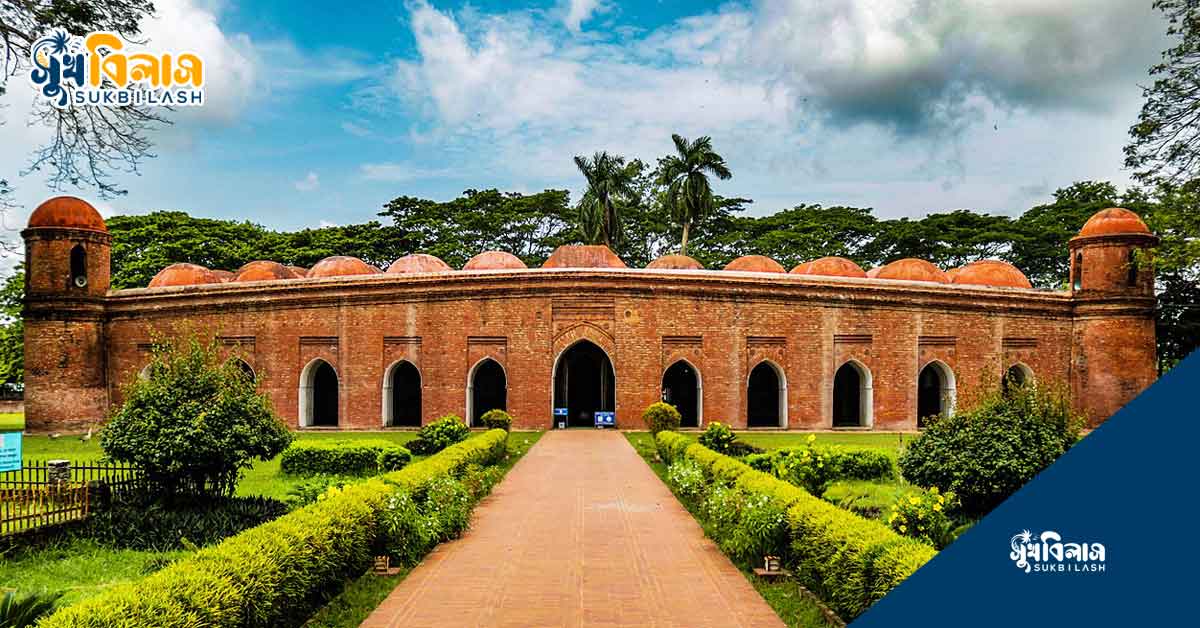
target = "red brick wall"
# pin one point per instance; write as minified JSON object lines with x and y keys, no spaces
{"x":723,"y":323}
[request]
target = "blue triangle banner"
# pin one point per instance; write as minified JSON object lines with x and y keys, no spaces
{"x":1130,"y":486}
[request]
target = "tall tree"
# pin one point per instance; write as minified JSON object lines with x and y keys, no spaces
{"x":12,"y":330}
{"x":610,"y":187}
{"x":1165,"y":142}
{"x":87,"y":145}
{"x":688,"y":192}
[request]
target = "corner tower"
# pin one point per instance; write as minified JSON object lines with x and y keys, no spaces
{"x":67,"y":249}
{"x":1114,"y":356}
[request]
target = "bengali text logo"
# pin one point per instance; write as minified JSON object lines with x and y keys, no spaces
{"x":1047,"y":554}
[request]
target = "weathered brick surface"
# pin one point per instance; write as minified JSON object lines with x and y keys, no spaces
{"x":81,"y":348}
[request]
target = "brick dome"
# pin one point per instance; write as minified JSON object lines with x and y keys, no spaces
{"x":183,"y":274}
{"x":1113,"y":220}
{"x":223,"y":275}
{"x":874,"y":272}
{"x":341,"y":265}
{"x":494,"y":260}
{"x":299,"y":272}
{"x":418,"y":263}
{"x":755,"y":264}
{"x":583,"y":256}
{"x":913,"y":269}
{"x":675,"y":262}
{"x":67,"y":212}
{"x":263,"y":270}
{"x":953,"y":272}
{"x":830,"y":267}
{"x":990,"y":272}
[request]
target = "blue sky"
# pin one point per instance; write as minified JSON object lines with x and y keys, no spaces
{"x":319,"y":113}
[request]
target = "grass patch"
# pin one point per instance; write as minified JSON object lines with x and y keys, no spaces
{"x":891,"y":444}
{"x":12,"y":421}
{"x":363,"y":595}
{"x":870,"y":500}
{"x":79,"y":568}
{"x":784,"y":596}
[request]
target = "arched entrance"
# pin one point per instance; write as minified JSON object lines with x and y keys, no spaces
{"x":402,"y":395}
{"x":852,"y":402}
{"x":245,"y":369}
{"x":584,"y":383}
{"x":1017,"y":376}
{"x":935,"y":392}
{"x":487,"y":389}
{"x":766,"y":397}
{"x":681,"y":388}
{"x":319,"y":395}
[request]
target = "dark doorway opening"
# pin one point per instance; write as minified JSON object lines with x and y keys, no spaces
{"x":245,"y":369}
{"x":489,"y":389}
{"x":764,"y":397}
{"x":681,"y":388}
{"x":1014,"y":378}
{"x":929,"y":394}
{"x":847,"y":397}
{"x":584,"y":384}
{"x":324,"y":395}
{"x":405,"y":395}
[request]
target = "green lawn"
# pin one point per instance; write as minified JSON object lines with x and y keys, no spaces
{"x":794,"y":606}
{"x":364,"y":594}
{"x":12,"y":421}
{"x":888,"y":443}
{"x":78,"y":568}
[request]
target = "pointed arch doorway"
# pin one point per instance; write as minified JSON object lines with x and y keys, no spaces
{"x":584,"y":383}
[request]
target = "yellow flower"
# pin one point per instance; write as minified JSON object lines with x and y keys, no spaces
{"x":812,"y":437}
{"x":937,"y":508}
{"x":941,"y":500}
{"x":903,"y":528}
{"x":914,"y":500}
{"x":934,"y":490}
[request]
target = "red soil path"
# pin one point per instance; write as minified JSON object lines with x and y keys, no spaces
{"x":580,"y":533}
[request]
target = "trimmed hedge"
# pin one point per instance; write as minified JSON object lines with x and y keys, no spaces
{"x":850,"y":562}
{"x":277,"y":573}
{"x":343,"y":457}
{"x":496,"y":419}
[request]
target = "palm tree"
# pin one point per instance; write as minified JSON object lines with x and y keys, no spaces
{"x":610,"y":184}
{"x":685,"y":175}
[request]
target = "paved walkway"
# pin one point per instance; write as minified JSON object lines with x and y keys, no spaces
{"x":580,"y":533}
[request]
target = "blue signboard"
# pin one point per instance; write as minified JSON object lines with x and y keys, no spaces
{"x":606,"y":419}
{"x":560,"y":412}
{"x":10,"y":451}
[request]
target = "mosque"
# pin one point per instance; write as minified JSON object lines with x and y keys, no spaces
{"x":345,"y":345}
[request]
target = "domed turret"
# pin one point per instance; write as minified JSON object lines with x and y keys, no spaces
{"x":183,"y":274}
{"x":418,"y":263}
{"x":67,"y":212}
{"x":341,"y":265}
{"x":990,"y":272}
{"x":912,"y":269}
{"x":1111,"y":221}
{"x":675,"y":262}
{"x":494,"y":260}
{"x":263,"y":270}
{"x":755,"y":264}
{"x":583,"y":256}
{"x":1105,"y":255}
{"x":830,"y":267}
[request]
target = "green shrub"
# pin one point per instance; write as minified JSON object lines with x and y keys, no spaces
{"x":496,"y":419}
{"x":718,"y":437}
{"x":338,"y":457}
{"x":923,"y":516}
{"x":406,"y":533}
{"x":986,"y":454}
{"x":814,"y":467}
{"x":686,"y":478}
{"x":195,"y":422}
{"x":313,"y":487}
{"x":142,"y":522}
{"x":660,"y":417}
{"x":449,"y":503}
{"x":849,"y":561}
{"x":439,"y":435}
{"x":480,"y":480}
{"x":277,"y":573}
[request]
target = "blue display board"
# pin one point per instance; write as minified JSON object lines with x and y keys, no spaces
{"x":606,"y":419}
{"x":10,"y":451}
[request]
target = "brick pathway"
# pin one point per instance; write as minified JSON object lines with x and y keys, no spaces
{"x":580,"y":533}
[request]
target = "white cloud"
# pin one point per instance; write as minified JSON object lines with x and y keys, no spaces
{"x":576,"y":12}
{"x":395,"y":172}
{"x":310,"y":183}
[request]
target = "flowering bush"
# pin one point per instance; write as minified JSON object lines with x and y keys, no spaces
{"x":406,"y":533}
{"x":449,"y":504}
{"x":720,"y":510}
{"x":761,"y":529}
{"x":686,"y":478}
{"x":923,"y":517}
{"x":814,"y":467}
{"x":718,"y":437}
{"x":439,"y":435}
